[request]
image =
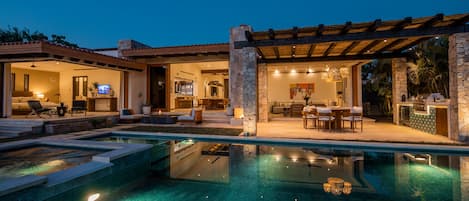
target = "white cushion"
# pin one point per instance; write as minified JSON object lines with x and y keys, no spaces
{"x":311,"y":116}
{"x":185,"y":118}
{"x":356,"y":110}
{"x":323,"y":118}
{"x":324,"y":110}
{"x":352,"y":118}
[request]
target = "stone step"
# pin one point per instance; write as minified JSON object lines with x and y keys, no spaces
{"x":13,"y":133}
{"x":15,"y":128}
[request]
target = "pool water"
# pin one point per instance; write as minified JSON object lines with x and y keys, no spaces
{"x":41,"y":160}
{"x":234,"y":172}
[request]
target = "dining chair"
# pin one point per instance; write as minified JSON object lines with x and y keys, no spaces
{"x":309,"y":113}
{"x":325,"y":116}
{"x":355,"y":115}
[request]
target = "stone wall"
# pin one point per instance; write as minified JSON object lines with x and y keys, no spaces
{"x":236,"y":67}
{"x":458,"y":60}
{"x":263,"y":104}
{"x":399,"y":84}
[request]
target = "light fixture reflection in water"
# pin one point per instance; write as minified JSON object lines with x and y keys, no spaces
{"x":94,"y":197}
{"x":337,"y":186}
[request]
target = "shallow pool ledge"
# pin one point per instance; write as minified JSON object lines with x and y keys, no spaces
{"x":17,"y":184}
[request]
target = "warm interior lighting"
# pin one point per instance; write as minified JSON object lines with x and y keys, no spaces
{"x":310,"y":70}
{"x":293,"y":71}
{"x":238,"y":113}
{"x":40,"y":95}
{"x":276,"y":72}
{"x":94,"y":197}
{"x":385,"y":40}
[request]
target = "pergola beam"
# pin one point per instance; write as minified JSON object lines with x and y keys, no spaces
{"x":432,"y":21}
{"x":329,"y":49}
{"x":402,"y":24}
{"x":293,"y":51}
{"x":294,"y":32}
{"x":374,"y":26}
{"x":311,"y":50}
{"x":414,"y":32}
{"x":259,"y":52}
{"x":276,"y":52}
{"x":369,"y":46}
{"x":336,"y":58}
{"x":319,"y":30}
{"x":391,"y":45}
{"x":350,"y":47}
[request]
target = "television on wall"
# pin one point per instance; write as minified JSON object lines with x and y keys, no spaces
{"x":104,"y":88}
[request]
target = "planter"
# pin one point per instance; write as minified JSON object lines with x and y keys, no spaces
{"x":146,"y":109}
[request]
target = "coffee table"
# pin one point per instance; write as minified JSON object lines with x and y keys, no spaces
{"x":160,"y":119}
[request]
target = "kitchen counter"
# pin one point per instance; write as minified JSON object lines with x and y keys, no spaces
{"x":434,"y":119}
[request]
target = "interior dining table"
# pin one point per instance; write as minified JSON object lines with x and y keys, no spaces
{"x":337,"y":112}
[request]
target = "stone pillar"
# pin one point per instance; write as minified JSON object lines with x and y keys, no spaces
{"x":262,"y":93}
{"x":458,"y":61}
{"x":243,"y":79}
{"x":399,"y":85}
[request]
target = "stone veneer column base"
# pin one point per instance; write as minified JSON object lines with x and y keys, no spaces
{"x":399,"y":84}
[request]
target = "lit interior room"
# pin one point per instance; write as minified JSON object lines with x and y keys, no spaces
{"x":291,"y":86}
{"x":202,"y":84}
{"x":54,"y":83}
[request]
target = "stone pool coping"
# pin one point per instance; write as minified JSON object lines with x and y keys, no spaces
{"x":372,"y":146}
{"x":97,"y":163}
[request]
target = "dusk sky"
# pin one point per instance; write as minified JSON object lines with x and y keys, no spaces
{"x":100,"y":24}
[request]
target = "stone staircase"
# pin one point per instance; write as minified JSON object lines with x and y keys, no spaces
{"x":16,"y":127}
{"x":215,"y":117}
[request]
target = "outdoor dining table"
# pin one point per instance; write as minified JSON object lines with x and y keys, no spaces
{"x":337,"y":112}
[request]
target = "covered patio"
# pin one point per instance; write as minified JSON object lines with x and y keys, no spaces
{"x":255,"y":54}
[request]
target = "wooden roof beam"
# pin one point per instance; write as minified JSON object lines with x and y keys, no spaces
{"x":374,"y":26}
{"x":311,"y":50}
{"x":259,"y":52}
{"x":350,"y":47}
{"x":412,"y":44}
{"x":432,"y":21}
{"x":336,"y":58}
{"x":319,"y":30}
{"x":377,"y":35}
{"x":402,"y":24}
{"x":391,"y":45}
{"x":329,"y":49}
{"x":346,"y":28}
{"x":461,"y":21}
{"x":369,"y":46}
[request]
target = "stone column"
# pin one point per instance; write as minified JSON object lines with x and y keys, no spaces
{"x":236,"y":66}
{"x":262,"y":94}
{"x":458,"y":61}
{"x":399,"y":85}
{"x":243,"y":79}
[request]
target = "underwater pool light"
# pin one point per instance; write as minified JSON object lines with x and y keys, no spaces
{"x":93,"y":197}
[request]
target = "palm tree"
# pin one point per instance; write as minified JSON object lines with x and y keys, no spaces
{"x":14,"y":34}
{"x":377,"y":84}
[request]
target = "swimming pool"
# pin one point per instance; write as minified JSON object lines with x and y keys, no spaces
{"x":41,"y":160}
{"x":200,"y":170}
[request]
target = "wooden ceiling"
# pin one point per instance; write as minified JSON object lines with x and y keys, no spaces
{"x":47,"y":51}
{"x":370,"y":40}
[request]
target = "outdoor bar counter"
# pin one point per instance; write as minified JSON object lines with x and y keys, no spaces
{"x":430,"y":117}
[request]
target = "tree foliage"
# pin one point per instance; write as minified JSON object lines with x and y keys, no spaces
{"x":377,"y":84}
{"x":14,"y":34}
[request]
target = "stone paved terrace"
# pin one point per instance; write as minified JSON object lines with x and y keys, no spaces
{"x":377,"y":132}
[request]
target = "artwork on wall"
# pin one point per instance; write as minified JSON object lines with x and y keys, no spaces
{"x":304,"y":89}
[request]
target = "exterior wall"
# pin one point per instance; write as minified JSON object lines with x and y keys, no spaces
{"x":399,"y":84}
{"x":458,"y":60}
{"x":44,"y":82}
{"x":100,"y":76}
{"x":137,"y":90}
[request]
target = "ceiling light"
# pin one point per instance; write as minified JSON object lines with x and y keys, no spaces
{"x":57,"y":62}
{"x":277,"y":71}
{"x":437,"y":37}
{"x":310,"y":70}
{"x":293,"y":71}
{"x":385,"y":40}
{"x":294,"y":46}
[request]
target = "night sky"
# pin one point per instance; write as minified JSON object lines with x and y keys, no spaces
{"x":100,"y":24}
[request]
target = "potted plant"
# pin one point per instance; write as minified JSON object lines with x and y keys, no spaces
{"x":146,"y":107}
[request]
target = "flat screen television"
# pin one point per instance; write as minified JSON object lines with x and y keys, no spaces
{"x":104,"y":88}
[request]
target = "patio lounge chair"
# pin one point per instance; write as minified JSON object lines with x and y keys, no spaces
{"x":77,"y":106}
{"x":355,"y":115}
{"x":37,"y":109}
{"x":195,"y":116}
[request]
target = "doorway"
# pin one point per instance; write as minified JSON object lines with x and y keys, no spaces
{"x":80,"y":87}
{"x":158,"y":87}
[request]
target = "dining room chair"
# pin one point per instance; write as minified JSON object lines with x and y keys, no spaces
{"x":309,"y":113}
{"x":325,"y":116}
{"x":355,"y":115}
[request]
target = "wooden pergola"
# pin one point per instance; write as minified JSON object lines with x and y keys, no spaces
{"x":46,"y":51}
{"x":350,"y":41}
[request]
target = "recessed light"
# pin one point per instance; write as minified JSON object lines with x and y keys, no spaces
{"x":385,"y":40}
